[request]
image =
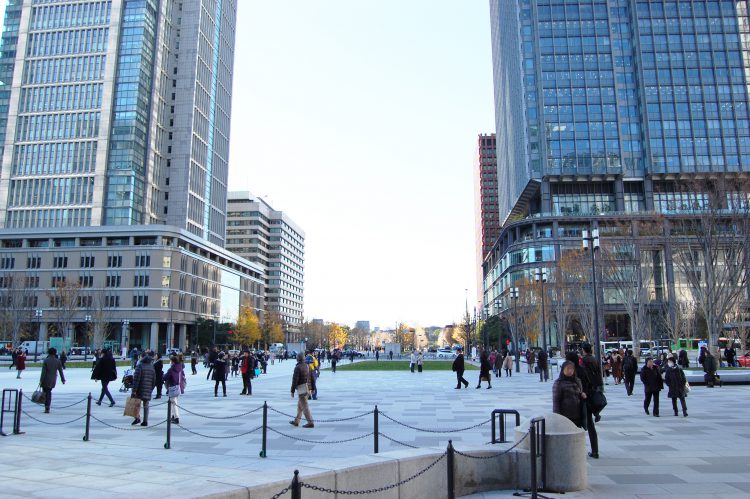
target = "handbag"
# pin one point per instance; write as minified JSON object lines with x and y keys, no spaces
{"x":598,"y":402}
{"x":687,"y":387}
{"x":174,"y":391}
{"x":132,"y":407}
{"x":39,"y":397}
{"x":257,"y":372}
{"x":302,"y":389}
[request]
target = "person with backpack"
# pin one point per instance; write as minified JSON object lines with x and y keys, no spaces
{"x":676,"y":382}
{"x":629,"y":370}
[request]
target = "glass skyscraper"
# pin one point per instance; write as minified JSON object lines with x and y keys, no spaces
{"x":116,"y":112}
{"x":608,"y":110}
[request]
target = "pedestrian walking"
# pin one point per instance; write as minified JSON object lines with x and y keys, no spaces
{"x":508,"y":364}
{"x":377,"y":355}
{"x":420,"y":361}
{"x":590,"y":375}
{"x":158,"y":375}
{"x":300,"y":383}
{"x":143,"y":384}
{"x":134,"y":355}
{"x":530,"y":360}
{"x":194,"y":362}
{"x":730,"y":354}
{"x":492,"y":358}
{"x":236,"y":364}
{"x":48,"y":379}
{"x":675,"y":379}
{"x":176,"y":382}
{"x":682,"y":359}
{"x":629,"y":370}
{"x":568,"y":398}
{"x":652,"y":385}
{"x":498,"y":364}
{"x":105,"y":371}
{"x":220,"y":374}
{"x":63,"y":359}
{"x":710,"y":365}
{"x":412,"y":361}
{"x":543,"y":362}
{"x":247,"y":368}
{"x":459,"y":367}
{"x":212,"y":356}
{"x":484,"y":371}
{"x":13,"y":357}
{"x":20,"y":363}
{"x":617,"y":373}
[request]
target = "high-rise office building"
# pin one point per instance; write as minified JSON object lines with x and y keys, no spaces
{"x":115,"y":118}
{"x":118,"y":113}
{"x":486,"y":212}
{"x":270,"y":238}
{"x":609,"y":112}
{"x":363,"y":326}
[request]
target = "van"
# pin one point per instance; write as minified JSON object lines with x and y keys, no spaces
{"x":275,"y":347}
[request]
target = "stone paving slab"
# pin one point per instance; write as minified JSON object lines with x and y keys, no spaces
{"x":641,"y":456}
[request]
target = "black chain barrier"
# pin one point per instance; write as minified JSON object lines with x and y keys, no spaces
{"x":428,"y":430}
{"x":134,"y":428}
{"x":320,"y":441}
{"x":397,"y":442}
{"x":493,"y":456}
{"x":54,"y":423}
{"x":281,"y":493}
{"x":379,"y":489}
{"x":338,"y":420}
{"x":61,"y":407}
{"x":219,"y":417}
{"x":218,"y":436}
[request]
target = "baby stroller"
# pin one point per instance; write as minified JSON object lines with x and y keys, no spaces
{"x":127,"y":380}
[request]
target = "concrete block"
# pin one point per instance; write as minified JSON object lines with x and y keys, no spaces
{"x":432,"y":484}
{"x":480,"y":475}
{"x":369,"y":475}
{"x":565,"y":455}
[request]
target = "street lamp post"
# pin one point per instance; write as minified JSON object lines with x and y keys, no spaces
{"x":541,"y":278}
{"x":88,"y":331}
{"x":38,"y":313}
{"x":517,"y":351}
{"x":593,"y":241}
{"x":124,"y":337}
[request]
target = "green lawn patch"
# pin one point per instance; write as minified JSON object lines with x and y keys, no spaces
{"x":399,"y":365}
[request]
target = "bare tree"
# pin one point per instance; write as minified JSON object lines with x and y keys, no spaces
{"x":101,"y":316}
{"x":562,"y":287}
{"x":711,"y":254}
{"x":684,"y":323}
{"x":63,"y":299}
{"x":17,"y":303}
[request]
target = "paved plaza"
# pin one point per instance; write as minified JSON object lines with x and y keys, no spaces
{"x":704,"y":455}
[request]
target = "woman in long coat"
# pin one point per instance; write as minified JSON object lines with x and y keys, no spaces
{"x":675,"y":380}
{"x":652,"y":385}
{"x":20,"y":363}
{"x":508,"y":364}
{"x":617,"y":367}
{"x":484,"y":371}
{"x":567,"y":394}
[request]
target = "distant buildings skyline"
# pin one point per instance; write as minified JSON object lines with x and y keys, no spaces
{"x":486,"y":210}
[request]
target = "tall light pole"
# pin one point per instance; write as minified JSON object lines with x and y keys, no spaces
{"x":38,"y":313}
{"x":517,"y":351}
{"x":88,"y":331}
{"x":541,"y":278}
{"x":124,"y":337}
{"x":593,"y":241}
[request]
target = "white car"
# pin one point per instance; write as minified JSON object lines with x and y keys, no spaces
{"x":445,"y":353}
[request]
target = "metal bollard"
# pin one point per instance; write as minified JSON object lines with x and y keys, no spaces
{"x":168,"y":443}
{"x":88,"y":418}
{"x":19,"y":407}
{"x":296,"y":488}
{"x":375,"y":431}
{"x":265,"y":429}
{"x":12,"y":406}
{"x":451,"y":478}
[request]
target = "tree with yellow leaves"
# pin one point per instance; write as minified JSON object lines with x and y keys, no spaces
{"x":337,"y":335}
{"x":273,"y":329}
{"x":247,"y":330}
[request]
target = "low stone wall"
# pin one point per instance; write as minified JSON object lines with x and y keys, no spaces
{"x":477,"y":470}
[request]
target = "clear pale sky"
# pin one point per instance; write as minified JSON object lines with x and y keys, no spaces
{"x":359,"y":119}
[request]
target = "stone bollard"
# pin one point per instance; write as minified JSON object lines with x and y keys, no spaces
{"x":566,"y":455}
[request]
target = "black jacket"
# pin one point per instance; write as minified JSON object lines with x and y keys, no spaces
{"x":143,"y":379}
{"x":651,"y":380}
{"x":675,"y":380}
{"x":106,"y":369}
{"x":220,"y":370}
{"x":593,"y":373}
{"x":159,"y":371}
{"x":458,"y":364}
{"x":484,"y":367}
{"x":566,"y":398}
{"x":629,"y":365}
{"x":541,"y":359}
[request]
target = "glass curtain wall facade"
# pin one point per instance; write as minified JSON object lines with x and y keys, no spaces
{"x":116,"y":112}
{"x":611,"y":110}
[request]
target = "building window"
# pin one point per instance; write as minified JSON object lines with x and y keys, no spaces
{"x":143,"y":261}
{"x":165,"y":302}
{"x":112,"y":301}
{"x":33,"y":262}
{"x":87,"y":262}
{"x":141,"y":281}
{"x":114,"y":280}
{"x":30,"y":301}
{"x":7,"y":262}
{"x":6,"y":281}
{"x":58,"y":280}
{"x":85,"y":301}
{"x":32,"y":281}
{"x":140,"y":301}
{"x":60,"y":262}
{"x":114,"y":261}
{"x":86,"y":281}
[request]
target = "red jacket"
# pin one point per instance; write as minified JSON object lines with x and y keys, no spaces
{"x":21,"y":362}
